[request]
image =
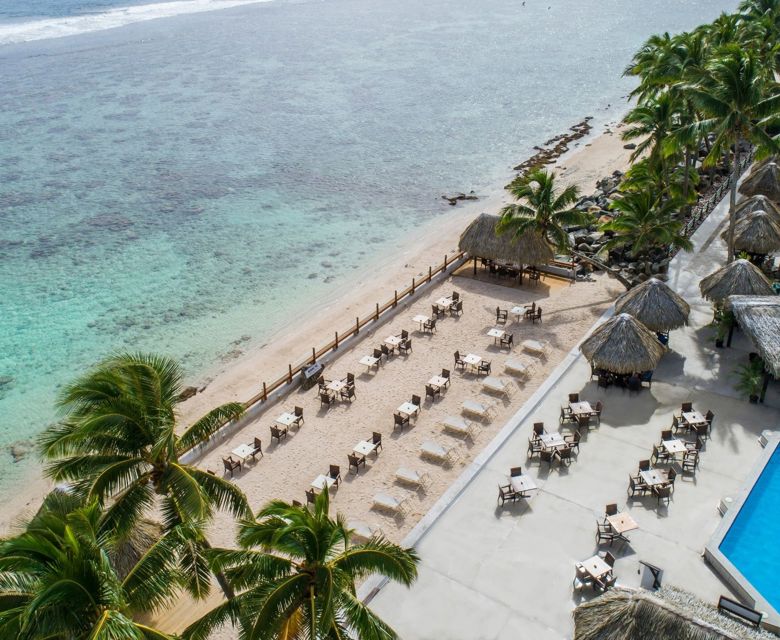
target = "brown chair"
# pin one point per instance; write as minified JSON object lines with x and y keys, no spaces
{"x":404,"y":334}
{"x":690,"y":462}
{"x":678,"y":424}
{"x":546,"y":456}
{"x":697,"y":446}
{"x":662,"y":492}
{"x":609,"y":559}
{"x":583,"y":422}
{"x":637,"y":485}
{"x":456,"y":307}
{"x":311,"y":497}
{"x":459,"y":362}
{"x":431,"y":391}
{"x":378,"y":354}
{"x":687,"y":407}
{"x":400,"y":420}
{"x":231,"y":465}
{"x":484,"y":367}
{"x":376,"y":440}
{"x":334,"y":473}
{"x":326,"y":398}
{"x":355,"y":462}
{"x":417,"y":402}
{"x":566,"y":415}
{"x":529,"y":313}
{"x":709,"y":417}
{"x":702,"y":431}
{"x":660,"y":455}
{"x":611,"y":510}
{"x":538,"y":428}
{"x":574,"y":397}
{"x":596,"y":413}
{"x":257,"y":448}
{"x":644,"y":465}
{"x":430,"y":325}
{"x":386,"y":351}
{"x":298,"y":416}
{"x":573,"y":441}
{"x":445,"y":373}
{"x":501,"y":315}
{"x":537,"y":316}
{"x":436,"y":311}
{"x":350,"y":378}
{"x":505,"y":492}
{"x":514,"y":472}
{"x":564,"y":456}
{"x":455,"y":296}
{"x":666,"y":435}
{"x":507,"y":340}
{"x":297,"y":503}
{"x":605,"y":533}
{"x":348,"y":393}
{"x":405,"y":346}
{"x":671,"y":476}
{"x":605,"y":582}
{"x":534,"y":446}
{"x":278,"y":433}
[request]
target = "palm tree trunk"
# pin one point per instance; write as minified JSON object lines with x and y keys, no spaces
{"x":601,"y":265}
{"x":733,"y":200}
{"x":220,"y":576}
{"x":685,"y":176}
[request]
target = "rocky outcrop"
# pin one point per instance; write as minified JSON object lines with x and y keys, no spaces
{"x":453,"y":200}
{"x":555,"y":147}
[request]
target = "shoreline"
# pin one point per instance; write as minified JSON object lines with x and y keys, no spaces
{"x":587,"y":160}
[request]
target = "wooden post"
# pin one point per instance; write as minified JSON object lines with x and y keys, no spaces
{"x":265,"y":393}
{"x":430,"y":273}
{"x":731,"y":333}
{"x":412,"y":286}
{"x":395,"y":298}
{"x":764,"y":387}
{"x":376,"y":317}
{"x":445,"y":262}
{"x":357,"y":325}
{"x":336,"y":344}
{"x":475,"y":265}
{"x":289,"y":374}
{"x":313,"y":355}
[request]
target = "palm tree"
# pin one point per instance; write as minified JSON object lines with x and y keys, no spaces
{"x":646,"y":221}
{"x":296,"y":570}
{"x":57,"y":580}
{"x":652,"y":121}
{"x":738,"y":102}
{"x":118,"y":444}
{"x":542,"y":209}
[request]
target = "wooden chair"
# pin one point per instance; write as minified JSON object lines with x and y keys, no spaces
{"x":484,"y":367}
{"x":574,"y":397}
{"x":405,"y":346}
{"x":564,"y":456}
{"x":348,"y":393}
{"x":386,"y":351}
{"x":538,"y":428}
{"x":671,"y":476}
{"x":257,"y":448}
{"x":644,"y":465}
{"x":604,"y":533}
{"x":611,"y":510}
{"x":278,"y":433}
{"x":459,"y":362}
{"x":507,"y":340}
{"x":505,"y":492}
{"x":566,"y":415}
{"x":404,"y":334}
{"x":677,"y":424}
{"x":546,"y":456}
{"x":583,"y":422}
{"x":455,"y":296}
{"x":378,"y":354}
{"x":311,"y":497}
{"x":445,"y":373}
{"x":430,"y":325}
{"x":697,"y":446}
{"x":666,"y":434}
{"x":596,"y":413}
{"x":231,"y":465}
{"x":609,"y":559}
{"x":662,"y":492}
{"x":436,"y":311}
{"x":660,"y":455}
{"x":537,"y":316}
{"x":355,"y":462}
{"x":573,"y":441}
{"x":334,"y":473}
{"x":605,"y":582}
{"x":534,"y":446}
{"x":417,"y":402}
{"x":376,"y":440}
{"x":298,"y":416}
{"x":501,"y":315}
{"x":637,"y":485}
{"x":687,"y":407}
{"x":690,"y":462}
{"x":326,"y":399}
{"x":400,"y":421}
{"x":456,"y":307}
{"x":431,"y":391}
{"x":709,"y":417}
{"x":702,"y":431}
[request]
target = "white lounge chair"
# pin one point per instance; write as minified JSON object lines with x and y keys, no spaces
{"x":496,"y":385}
{"x":412,"y":477}
{"x":537,"y":347}
{"x":518,"y":368}
{"x":361,"y":531}
{"x":458,"y":425}
{"x":387,"y":502}
{"x":475,"y":408}
{"x":437,"y":452}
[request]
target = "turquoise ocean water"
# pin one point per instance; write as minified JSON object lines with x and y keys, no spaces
{"x":186,"y":184}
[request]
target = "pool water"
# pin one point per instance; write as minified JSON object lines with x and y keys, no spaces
{"x":751,"y":543}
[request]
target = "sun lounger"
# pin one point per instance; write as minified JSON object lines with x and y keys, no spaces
{"x":362,"y":532}
{"x":458,"y":425}
{"x":387,"y":502}
{"x":412,"y":477}
{"x":517,"y":367}
{"x":496,"y":385}
{"x":435,"y":451}
{"x":537,"y":347}
{"x":477,"y":408}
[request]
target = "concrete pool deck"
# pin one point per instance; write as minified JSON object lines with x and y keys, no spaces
{"x":491,"y":572}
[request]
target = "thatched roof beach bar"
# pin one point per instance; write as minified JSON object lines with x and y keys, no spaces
{"x":738,"y":278}
{"x":655,"y":305}
{"x":757,"y":203}
{"x":757,"y":233}
{"x":763,"y":180}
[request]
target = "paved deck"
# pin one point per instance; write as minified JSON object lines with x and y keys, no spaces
{"x":488,"y":572}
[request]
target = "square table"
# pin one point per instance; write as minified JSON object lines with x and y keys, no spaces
{"x":596,"y":567}
{"x":653,"y":477}
{"x":622,"y":523}
{"x":286,"y":419}
{"x":522,"y":484}
{"x":369,"y":361}
{"x":674,"y":446}
{"x":518,"y":312}
{"x":243,"y":451}
{"x":472,"y":359}
{"x":496,"y":334}
{"x":581,"y":408}
{"x":535,"y":346}
{"x":438,"y":381}
{"x":393,"y":341}
{"x":336,"y":385}
{"x":408,"y":409}
{"x":552,"y":440}
{"x":421,"y":320}
{"x":693,"y":418}
{"x":444,"y":302}
{"x":322,"y":481}
{"x":364,"y":447}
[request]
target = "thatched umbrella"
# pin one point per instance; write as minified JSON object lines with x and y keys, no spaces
{"x":623,"y":345}
{"x":655,"y":305}
{"x":757,"y":203}
{"x":759,"y":318}
{"x":479,"y":239}
{"x":764,"y":180}
{"x":738,"y":278}
{"x":623,"y":614}
{"x":757,"y":232}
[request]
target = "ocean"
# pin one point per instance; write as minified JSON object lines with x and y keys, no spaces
{"x":187,"y":178}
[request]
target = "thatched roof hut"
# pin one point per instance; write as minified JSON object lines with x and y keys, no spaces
{"x":757,"y":203}
{"x":655,"y":305}
{"x":759,"y":318}
{"x":629,"y":614}
{"x":763,"y":180}
{"x":479,"y":239}
{"x":623,"y":345}
{"x":757,"y":232}
{"x":738,"y":278}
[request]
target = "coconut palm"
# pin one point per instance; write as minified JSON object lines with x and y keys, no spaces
{"x":646,"y":221}
{"x":651,"y":122}
{"x":118,"y":444}
{"x":296,"y":572}
{"x":542,"y":209}
{"x":738,"y":102}
{"x":57,"y":580}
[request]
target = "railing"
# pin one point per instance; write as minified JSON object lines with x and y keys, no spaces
{"x":709,"y":201}
{"x":378,"y":311}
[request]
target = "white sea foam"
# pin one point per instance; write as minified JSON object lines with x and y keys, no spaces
{"x":11,"y":33}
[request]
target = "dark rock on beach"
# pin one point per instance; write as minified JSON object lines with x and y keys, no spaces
{"x":187,"y":393}
{"x":453,"y":200}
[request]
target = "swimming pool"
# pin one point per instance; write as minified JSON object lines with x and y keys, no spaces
{"x":745,"y":547}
